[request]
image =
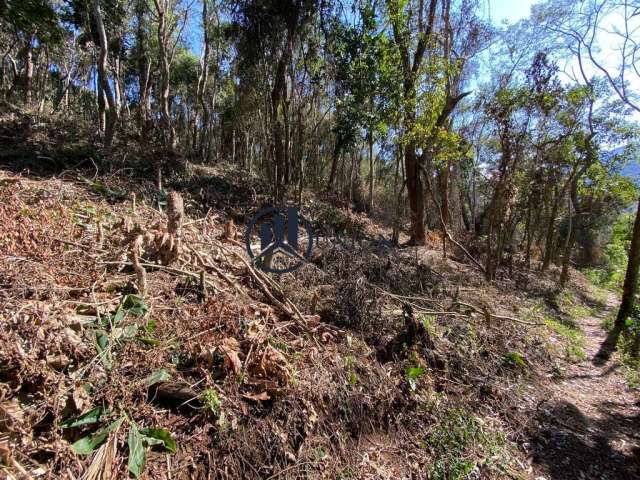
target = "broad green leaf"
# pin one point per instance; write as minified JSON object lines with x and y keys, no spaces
{"x":157,"y":436}
{"x":135,"y":305}
{"x":158,"y":376}
{"x":118,"y":316}
{"x":102,"y":340}
{"x":92,"y":416}
{"x":88,"y":444}
{"x":130,"y":331}
{"x":137,"y":454}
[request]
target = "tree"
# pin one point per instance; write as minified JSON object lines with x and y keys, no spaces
{"x":272,"y":29}
{"x":412,"y":46}
{"x":112,"y":114}
{"x":35,"y":24}
{"x":171,"y":22}
{"x":366,"y":83}
{"x":583,"y":26}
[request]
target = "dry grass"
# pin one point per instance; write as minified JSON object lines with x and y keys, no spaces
{"x":349,"y":385}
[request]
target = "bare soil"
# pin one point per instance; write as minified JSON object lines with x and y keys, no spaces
{"x":589,"y":426}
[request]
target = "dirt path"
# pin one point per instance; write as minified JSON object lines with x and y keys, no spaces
{"x":590,"y":426}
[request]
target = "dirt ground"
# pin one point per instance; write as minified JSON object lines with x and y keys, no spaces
{"x":589,"y":427}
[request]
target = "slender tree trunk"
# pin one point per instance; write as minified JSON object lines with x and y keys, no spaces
{"x":202,"y":80}
{"x":163,"y":44}
{"x":548,"y":246}
{"x":631,"y":277}
{"x":112,"y":114}
{"x":571,"y":237}
{"x":27,"y":81}
{"x":371,"y":172}
{"x":334,"y":167}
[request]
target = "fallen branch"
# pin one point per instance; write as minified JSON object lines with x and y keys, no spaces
{"x":497,"y":317}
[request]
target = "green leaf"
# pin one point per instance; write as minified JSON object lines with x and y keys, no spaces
{"x":130,"y":331}
{"x":137,"y":454}
{"x":118,"y":316}
{"x":92,"y":416}
{"x":102,"y":344}
{"x":102,"y":340}
{"x":160,"y":436}
{"x":135,"y":305}
{"x":414,"y":372}
{"x":88,"y":444}
{"x":158,"y":376}
{"x":152,"y":342}
{"x":151,"y":326}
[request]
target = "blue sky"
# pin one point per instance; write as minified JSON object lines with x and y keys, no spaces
{"x":510,"y":10}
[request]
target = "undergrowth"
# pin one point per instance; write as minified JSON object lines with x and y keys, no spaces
{"x":460,"y":444}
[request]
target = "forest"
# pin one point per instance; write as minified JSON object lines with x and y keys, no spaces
{"x":488,"y":327}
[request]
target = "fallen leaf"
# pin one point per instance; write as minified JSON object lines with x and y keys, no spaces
{"x":230,"y":347}
{"x":58,"y":362}
{"x":5,"y":451}
{"x":263,"y":396}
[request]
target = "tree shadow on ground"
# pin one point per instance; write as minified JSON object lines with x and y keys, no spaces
{"x":569,"y":445}
{"x":592,"y":302}
{"x":607,"y":347}
{"x":605,"y":373}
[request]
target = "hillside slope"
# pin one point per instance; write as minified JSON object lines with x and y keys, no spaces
{"x":375,"y":363}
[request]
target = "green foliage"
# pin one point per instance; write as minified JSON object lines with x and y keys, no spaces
{"x":139,"y":440}
{"x":137,"y":454}
{"x":87,"y":418}
{"x":611,"y":274}
{"x":572,"y":338}
{"x":453,"y":443}
{"x":157,"y":376}
{"x":211,"y":401}
{"x":413,"y":373}
{"x":86,"y":445}
{"x":184,"y":74}
{"x":33,"y":17}
{"x":515,"y":359}
{"x":367,"y":79}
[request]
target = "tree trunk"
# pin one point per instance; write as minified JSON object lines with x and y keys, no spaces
{"x":112,"y":114}
{"x":334,"y":167}
{"x":631,"y":277}
{"x":27,"y":81}
{"x":548,"y":247}
{"x":371,"y":177}
{"x":415,"y":191}
{"x":570,"y":240}
{"x":163,"y":44}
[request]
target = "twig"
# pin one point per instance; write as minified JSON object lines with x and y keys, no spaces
{"x":79,"y":245}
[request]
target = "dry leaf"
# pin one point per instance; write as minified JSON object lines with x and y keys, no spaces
{"x":5,"y":451}
{"x":230,"y":347}
{"x":263,"y":396}
{"x":58,"y":361}
{"x":11,"y":413}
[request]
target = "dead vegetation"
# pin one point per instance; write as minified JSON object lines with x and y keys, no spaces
{"x":134,"y":339}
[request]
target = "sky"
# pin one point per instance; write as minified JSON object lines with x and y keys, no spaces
{"x":509,"y":10}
